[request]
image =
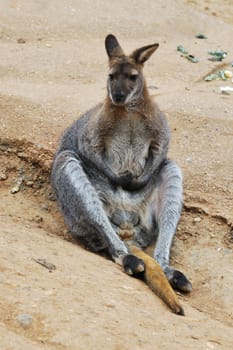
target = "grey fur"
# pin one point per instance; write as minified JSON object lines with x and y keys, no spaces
{"x":111,"y":171}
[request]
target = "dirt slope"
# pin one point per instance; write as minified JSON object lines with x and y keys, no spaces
{"x":52,"y":68}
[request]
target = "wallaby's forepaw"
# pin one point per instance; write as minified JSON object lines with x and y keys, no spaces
{"x":132,"y":265}
{"x":178,"y":280}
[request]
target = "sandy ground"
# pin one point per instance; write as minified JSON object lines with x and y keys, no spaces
{"x":52,"y":68}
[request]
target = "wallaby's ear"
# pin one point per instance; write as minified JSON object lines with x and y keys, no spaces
{"x":113,"y":47}
{"x":141,"y":55}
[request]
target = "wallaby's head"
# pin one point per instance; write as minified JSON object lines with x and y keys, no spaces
{"x":125,"y":79}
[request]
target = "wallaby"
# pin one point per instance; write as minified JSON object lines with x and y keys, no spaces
{"x":112,"y":179}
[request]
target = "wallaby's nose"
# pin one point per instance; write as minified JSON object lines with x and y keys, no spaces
{"x":119,"y":96}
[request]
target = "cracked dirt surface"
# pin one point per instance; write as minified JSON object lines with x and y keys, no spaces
{"x":53,"y":67}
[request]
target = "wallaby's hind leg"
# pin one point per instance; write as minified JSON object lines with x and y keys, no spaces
{"x":167,"y":208}
{"x":80,"y":203}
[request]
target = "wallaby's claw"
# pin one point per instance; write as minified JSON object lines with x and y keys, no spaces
{"x":179,"y":282}
{"x":132,"y":265}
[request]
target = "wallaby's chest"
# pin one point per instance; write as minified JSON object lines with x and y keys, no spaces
{"x":127,"y":147}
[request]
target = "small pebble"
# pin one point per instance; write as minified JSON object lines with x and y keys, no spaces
{"x":45,"y":207}
{"x":127,"y":287}
{"x":22,"y":155}
{"x":197,"y":219}
{"x":38,"y":218}
{"x":3,"y":177}
{"x":15,"y":189}
{"x":25,"y":320}
{"x":110,"y":305}
{"x":21,"y":41}
{"x":227,"y":74}
{"x":29,"y":183}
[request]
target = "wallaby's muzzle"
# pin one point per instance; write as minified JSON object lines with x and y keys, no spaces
{"x":119,"y":97}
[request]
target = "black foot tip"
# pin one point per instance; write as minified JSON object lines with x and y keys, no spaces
{"x":133,"y":265}
{"x":180,"y":282}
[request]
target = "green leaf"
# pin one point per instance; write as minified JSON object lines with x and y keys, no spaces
{"x":181,"y":49}
{"x":219,"y":75}
{"x":211,"y":77}
{"x":192,"y":58}
{"x":218,"y":55}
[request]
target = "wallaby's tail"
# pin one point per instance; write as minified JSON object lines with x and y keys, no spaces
{"x":157,"y":281}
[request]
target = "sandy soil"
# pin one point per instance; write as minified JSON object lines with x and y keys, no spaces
{"x":53,"y":67}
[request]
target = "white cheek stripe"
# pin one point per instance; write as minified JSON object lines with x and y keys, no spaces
{"x":110,"y":95}
{"x":130,"y":96}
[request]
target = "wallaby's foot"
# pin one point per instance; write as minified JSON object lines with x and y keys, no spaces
{"x":178,"y":280}
{"x":132,"y":265}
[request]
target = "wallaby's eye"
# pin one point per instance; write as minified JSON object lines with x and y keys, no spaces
{"x":133,"y":77}
{"x":111,"y":77}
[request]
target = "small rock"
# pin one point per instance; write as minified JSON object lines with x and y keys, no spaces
{"x":29,"y":183}
{"x":22,"y":155}
{"x":18,"y":185}
{"x":197,"y":219}
{"x":25,"y":320}
{"x":228,"y":74}
{"x":15,"y":189}
{"x":21,"y":41}
{"x":38,"y":218}
{"x":45,"y":207}
{"x":3,"y":176}
{"x":127,"y":287}
{"x":47,"y":164}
